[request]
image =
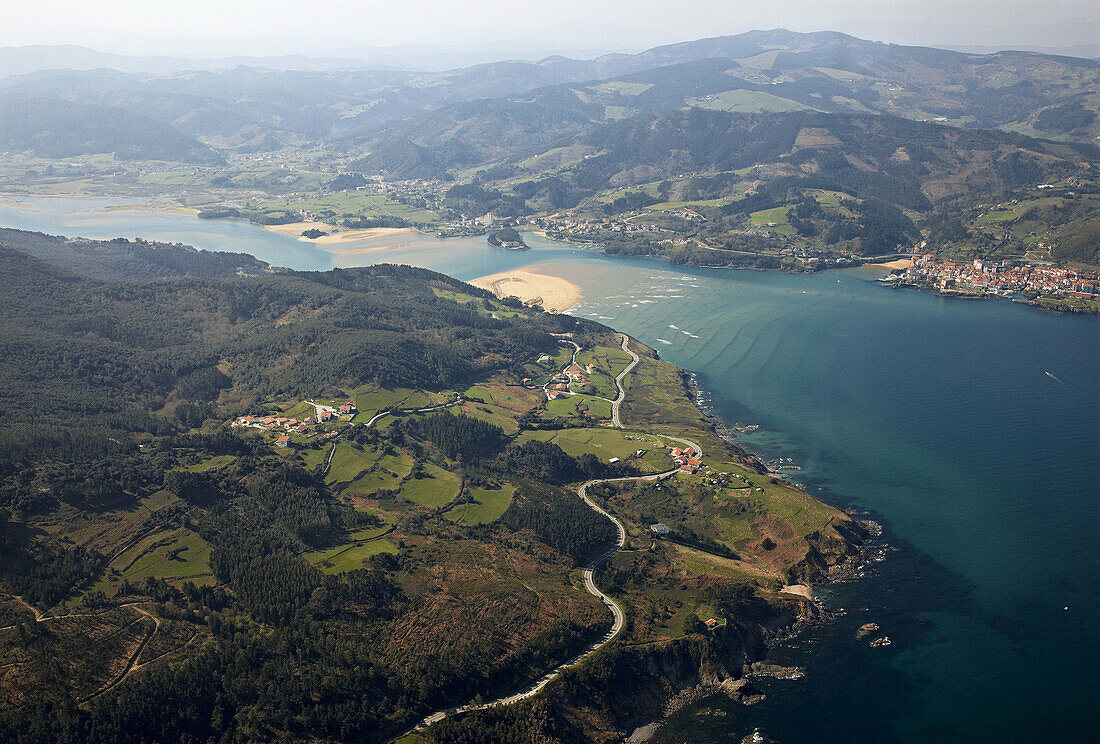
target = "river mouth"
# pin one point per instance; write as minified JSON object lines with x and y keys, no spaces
{"x":936,"y":416}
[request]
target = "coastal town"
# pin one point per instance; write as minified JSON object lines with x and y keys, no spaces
{"x":1004,"y":278}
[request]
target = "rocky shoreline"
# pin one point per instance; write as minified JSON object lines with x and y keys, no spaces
{"x":738,"y":686}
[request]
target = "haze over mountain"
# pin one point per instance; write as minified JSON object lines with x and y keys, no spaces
{"x":254,"y":109}
{"x":20,"y":60}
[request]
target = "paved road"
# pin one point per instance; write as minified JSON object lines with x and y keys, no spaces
{"x":615,"y":421}
{"x":404,"y":411}
{"x":589,"y":581}
{"x":590,"y":586}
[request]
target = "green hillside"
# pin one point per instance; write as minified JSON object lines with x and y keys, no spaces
{"x":172,"y":571}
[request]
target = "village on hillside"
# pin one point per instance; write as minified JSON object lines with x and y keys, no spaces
{"x":305,"y":426}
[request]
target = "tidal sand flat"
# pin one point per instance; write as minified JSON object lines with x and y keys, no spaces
{"x":554,"y":294}
{"x":336,"y":236}
{"x":368,"y":233}
{"x":295,"y":229}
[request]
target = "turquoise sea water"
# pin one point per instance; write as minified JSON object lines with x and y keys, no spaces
{"x":971,"y":430}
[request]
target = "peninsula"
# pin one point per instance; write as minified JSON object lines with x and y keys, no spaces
{"x":492,"y":506}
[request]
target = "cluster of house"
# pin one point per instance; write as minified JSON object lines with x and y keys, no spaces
{"x":687,"y":459}
{"x":288,"y":425}
{"x":559,"y":383}
{"x":677,"y":241}
{"x":278,"y":423}
{"x":571,"y":223}
{"x":1000,"y":277}
{"x":813,"y":255}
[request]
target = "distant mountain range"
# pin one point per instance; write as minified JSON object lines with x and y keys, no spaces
{"x":474,"y":114}
{"x":21,"y":60}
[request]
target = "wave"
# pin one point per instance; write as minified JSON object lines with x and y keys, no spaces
{"x":665,"y":342}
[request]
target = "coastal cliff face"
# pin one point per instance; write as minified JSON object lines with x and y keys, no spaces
{"x":624,"y":692}
{"x":829,"y":549}
{"x":667,"y":588}
{"x":636,"y":686}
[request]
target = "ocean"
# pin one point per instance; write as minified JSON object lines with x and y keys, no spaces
{"x":969,"y":429}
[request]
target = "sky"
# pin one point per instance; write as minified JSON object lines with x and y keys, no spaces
{"x":267,"y":27}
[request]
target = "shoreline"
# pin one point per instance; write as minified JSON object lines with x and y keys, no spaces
{"x":553,"y":293}
{"x":901,"y":263}
{"x":336,"y":235}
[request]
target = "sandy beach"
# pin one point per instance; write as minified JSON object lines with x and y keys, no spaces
{"x":554,"y":294}
{"x":151,"y":208}
{"x":901,"y":263}
{"x":348,"y":236}
{"x":336,"y":236}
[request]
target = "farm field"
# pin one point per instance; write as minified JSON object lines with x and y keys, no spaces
{"x":606,"y":444}
{"x":485,"y":505}
{"x":434,"y":490}
{"x":348,"y":462}
{"x":578,"y":407}
{"x":344,"y":558}
{"x":747,"y":102}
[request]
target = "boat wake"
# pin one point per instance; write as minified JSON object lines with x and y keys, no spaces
{"x":1053,"y":377}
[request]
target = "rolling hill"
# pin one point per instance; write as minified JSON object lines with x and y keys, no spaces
{"x":53,"y":128}
{"x":255,"y":108}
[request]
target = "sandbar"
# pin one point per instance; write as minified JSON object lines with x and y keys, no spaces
{"x":336,"y":235}
{"x":552,"y":293}
{"x":368,"y":233}
{"x":161,"y":208}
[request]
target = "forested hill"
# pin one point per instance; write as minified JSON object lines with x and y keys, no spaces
{"x":765,"y":73}
{"x":133,"y":261}
{"x":73,"y":346}
{"x":904,"y":162}
{"x":695,"y":155}
{"x":251,"y":109}
{"x":195,"y":547}
{"x":59,"y":129}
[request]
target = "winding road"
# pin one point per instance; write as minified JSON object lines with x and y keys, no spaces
{"x":634,"y":359}
{"x":589,"y":575}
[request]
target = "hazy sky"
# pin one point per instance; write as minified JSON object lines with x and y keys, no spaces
{"x":224,"y":27}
